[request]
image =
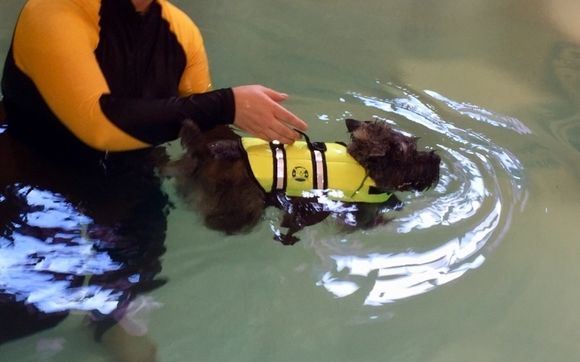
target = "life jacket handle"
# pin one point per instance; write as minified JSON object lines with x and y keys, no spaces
{"x":313,"y":146}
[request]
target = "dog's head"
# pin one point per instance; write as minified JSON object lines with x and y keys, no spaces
{"x":391,"y":158}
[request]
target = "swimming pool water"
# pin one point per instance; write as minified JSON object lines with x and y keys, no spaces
{"x":483,"y":267}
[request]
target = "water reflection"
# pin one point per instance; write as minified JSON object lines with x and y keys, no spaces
{"x":77,"y":237}
{"x":480,"y":114}
{"x":466,"y":215}
{"x":30,"y":259}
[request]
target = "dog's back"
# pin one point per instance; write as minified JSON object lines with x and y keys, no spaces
{"x":212,"y":176}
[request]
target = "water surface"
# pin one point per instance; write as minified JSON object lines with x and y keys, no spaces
{"x":483,"y":267}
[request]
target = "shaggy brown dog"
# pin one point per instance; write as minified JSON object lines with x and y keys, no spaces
{"x":214,"y":176}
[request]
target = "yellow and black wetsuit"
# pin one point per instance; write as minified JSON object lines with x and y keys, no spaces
{"x":98,"y":72}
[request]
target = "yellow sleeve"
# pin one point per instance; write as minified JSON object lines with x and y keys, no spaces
{"x":196,"y":77}
{"x":54,"y":44}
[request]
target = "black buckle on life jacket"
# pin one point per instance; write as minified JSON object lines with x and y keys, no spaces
{"x":318,"y":146}
{"x":373,"y":190}
{"x":313,"y":146}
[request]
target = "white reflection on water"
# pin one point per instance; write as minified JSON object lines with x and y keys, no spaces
{"x":453,"y":205}
{"x":480,"y":114}
{"x":469,"y":211}
{"x":46,"y":258}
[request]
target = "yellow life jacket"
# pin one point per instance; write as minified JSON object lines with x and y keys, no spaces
{"x":305,"y":169}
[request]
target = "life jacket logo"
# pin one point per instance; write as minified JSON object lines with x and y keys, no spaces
{"x":299,"y":174}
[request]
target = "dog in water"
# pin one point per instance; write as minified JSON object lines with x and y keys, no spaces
{"x":231,"y":180}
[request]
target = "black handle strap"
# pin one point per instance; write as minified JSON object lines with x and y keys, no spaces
{"x":314,"y":146}
{"x":317,"y":154}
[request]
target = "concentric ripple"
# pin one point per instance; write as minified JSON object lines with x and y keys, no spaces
{"x":443,"y":233}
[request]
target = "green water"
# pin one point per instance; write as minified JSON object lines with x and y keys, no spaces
{"x":485,"y":267}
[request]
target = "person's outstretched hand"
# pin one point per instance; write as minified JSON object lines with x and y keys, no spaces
{"x":258,"y":112}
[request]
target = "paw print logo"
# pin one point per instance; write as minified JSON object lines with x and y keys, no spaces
{"x":299,"y":174}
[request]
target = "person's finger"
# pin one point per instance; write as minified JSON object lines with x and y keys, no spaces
{"x":274,"y":131}
{"x":285,"y":132}
{"x":275,"y":95}
{"x":264,"y":132}
{"x":273,"y":135}
{"x":290,"y":119}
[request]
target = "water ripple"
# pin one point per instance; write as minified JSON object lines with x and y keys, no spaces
{"x":460,"y":221}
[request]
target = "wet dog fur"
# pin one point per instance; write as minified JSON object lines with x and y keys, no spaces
{"x":212,"y":176}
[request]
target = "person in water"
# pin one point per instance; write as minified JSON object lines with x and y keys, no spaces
{"x":77,"y":236}
{"x":120,"y":75}
{"x":111,"y":79}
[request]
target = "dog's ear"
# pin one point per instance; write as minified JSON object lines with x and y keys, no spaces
{"x":192,"y":138}
{"x":189,"y":133}
{"x":352,"y":124}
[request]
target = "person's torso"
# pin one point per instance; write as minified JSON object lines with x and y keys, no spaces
{"x":138,"y":54}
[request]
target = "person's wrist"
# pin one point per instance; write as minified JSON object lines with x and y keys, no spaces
{"x":230,"y":105}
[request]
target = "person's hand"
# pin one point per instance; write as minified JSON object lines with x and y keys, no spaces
{"x":258,"y":112}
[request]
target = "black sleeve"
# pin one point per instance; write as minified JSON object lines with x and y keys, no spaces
{"x":156,"y":121}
